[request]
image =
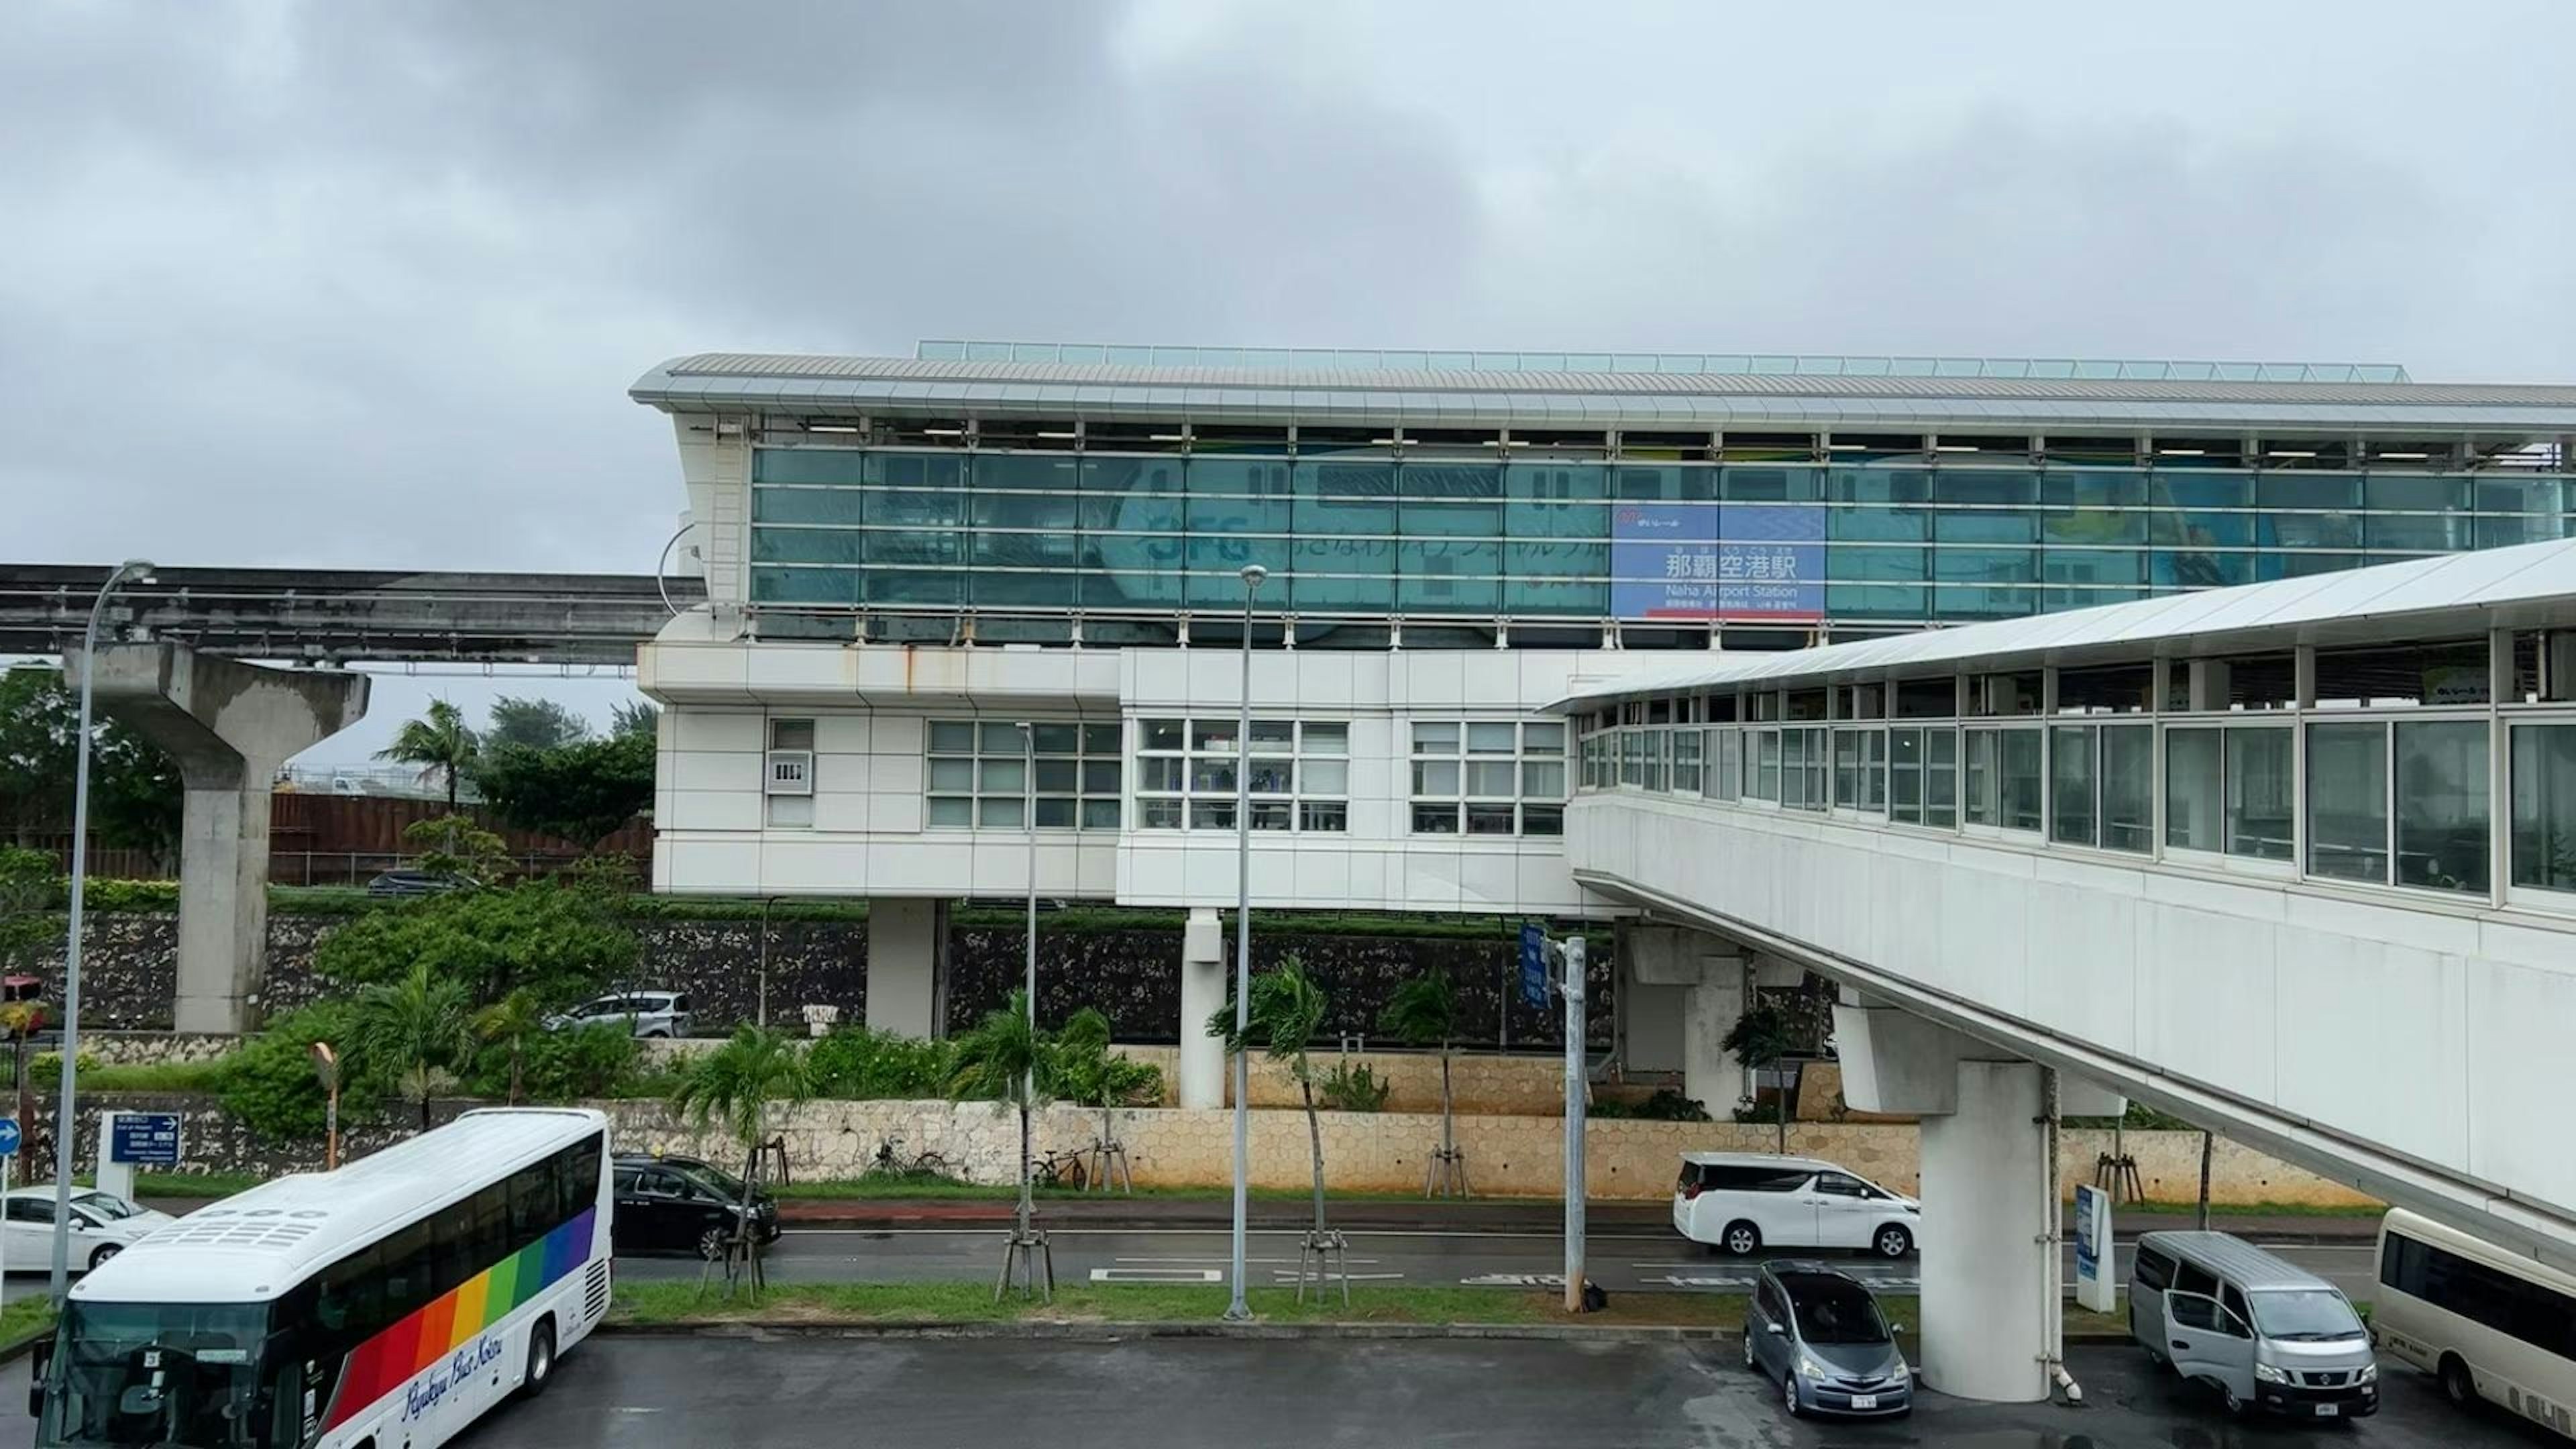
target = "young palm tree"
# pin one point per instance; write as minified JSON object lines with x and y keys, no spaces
{"x":1759,"y":1039}
{"x":1424,"y":1012}
{"x":736,"y":1082}
{"x":1287,"y":1010}
{"x":440,"y":743}
{"x":416,"y":1026}
{"x":1002,"y":1059}
{"x":514,"y":1020}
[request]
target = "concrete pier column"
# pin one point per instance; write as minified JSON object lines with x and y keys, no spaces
{"x":907,"y":956}
{"x":1990,"y":1273}
{"x":1711,"y":1075}
{"x":231,"y":727}
{"x":1202,"y":1069}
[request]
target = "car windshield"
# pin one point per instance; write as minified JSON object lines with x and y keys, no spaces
{"x":1837,"y":1314}
{"x":2304,"y":1314}
{"x":724,"y":1183}
{"x":107,"y":1205}
{"x":169,"y":1374}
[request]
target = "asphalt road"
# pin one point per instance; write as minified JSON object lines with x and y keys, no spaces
{"x":663,"y":1393}
{"x":1625,"y":1261}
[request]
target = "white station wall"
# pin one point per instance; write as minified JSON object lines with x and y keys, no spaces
{"x":2436,"y":1031}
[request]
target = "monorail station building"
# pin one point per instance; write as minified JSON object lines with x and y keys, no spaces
{"x":1463,"y":576}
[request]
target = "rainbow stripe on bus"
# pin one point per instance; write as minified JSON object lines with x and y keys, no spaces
{"x":392,"y":1358}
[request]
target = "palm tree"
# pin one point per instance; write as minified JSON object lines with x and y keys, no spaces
{"x":1759,"y":1039}
{"x":1424,"y":1012}
{"x":441,"y":744}
{"x":1000,"y":1060}
{"x":417,"y":1026}
{"x":736,"y":1082}
{"x":1287,"y":1010}
{"x":514,"y":1020}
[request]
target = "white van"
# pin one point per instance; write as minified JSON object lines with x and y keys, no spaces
{"x":2266,"y":1334}
{"x":1742,"y":1202}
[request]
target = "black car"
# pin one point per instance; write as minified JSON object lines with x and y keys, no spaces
{"x":682,"y":1205}
{"x":417,"y":883}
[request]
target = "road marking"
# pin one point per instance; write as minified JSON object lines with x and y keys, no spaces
{"x":1290,"y":1275}
{"x":999,"y":1225}
{"x":1197,"y":1258}
{"x":1514,"y":1280}
{"x":1156,"y":1275}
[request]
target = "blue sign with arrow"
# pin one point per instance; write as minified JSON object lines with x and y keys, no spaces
{"x":8,"y":1136}
{"x":1534,"y":965}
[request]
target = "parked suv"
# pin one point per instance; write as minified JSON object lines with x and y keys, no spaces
{"x":1820,"y":1336}
{"x":648,"y":1013}
{"x":682,"y":1204}
{"x":1742,"y":1202}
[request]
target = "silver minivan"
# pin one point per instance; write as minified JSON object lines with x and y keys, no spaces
{"x":2266,"y":1334}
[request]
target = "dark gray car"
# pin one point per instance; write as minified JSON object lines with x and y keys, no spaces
{"x":1819,"y":1335}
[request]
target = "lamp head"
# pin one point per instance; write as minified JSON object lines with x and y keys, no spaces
{"x":140,"y":570}
{"x":1253,"y":574}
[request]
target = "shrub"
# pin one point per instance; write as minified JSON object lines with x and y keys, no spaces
{"x":1352,"y":1087}
{"x":598,"y":1060}
{"x":102,"y":897}
{"x":1081,"y":1067}
{"x":48,"y":1066}
{"x":861,"y":1064}
{"x":269,"y":1084}
{"x":561,"y":941}
{"x":1666,"y":1105}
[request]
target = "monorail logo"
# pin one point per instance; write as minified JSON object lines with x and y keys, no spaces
{"x":424,"y":1393}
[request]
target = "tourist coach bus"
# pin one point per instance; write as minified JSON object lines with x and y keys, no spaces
{"x":2488,"y":1323}
{"x":384,"y":1305}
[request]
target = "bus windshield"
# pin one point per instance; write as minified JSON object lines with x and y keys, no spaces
{"x":2310,"y":1314}
{"x":186,"y":1374}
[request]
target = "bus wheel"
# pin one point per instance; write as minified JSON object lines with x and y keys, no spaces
{"x":2458,"y":1384}
{"x":541,"y":1358}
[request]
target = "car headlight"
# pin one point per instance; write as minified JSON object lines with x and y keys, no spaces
{"x":1810,"y":1368}
{"x":2270,"y":1375}
{"x":2369,"y":1374}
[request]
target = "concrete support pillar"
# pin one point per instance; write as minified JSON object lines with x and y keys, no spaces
{"x":1202,"y":1070}
{"x":1711,"y":1075}
{"x":1990,"y":1275}
{"x":907,"y":959}
{"x":231,"y":727}
{"x":2209,"y":684}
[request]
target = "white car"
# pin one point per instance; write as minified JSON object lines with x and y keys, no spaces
{"x":645,"y":1013}
{"x":1743,"y":1202}
{"x":103,"y":1225}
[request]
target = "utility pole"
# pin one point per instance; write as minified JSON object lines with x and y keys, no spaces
{"x":1571,"y":954}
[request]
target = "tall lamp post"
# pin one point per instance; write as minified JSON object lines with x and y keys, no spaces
{"x":1238,"y":1311}
{"x":137,"y":571}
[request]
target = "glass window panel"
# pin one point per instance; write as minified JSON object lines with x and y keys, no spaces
{"x":999,"y":739}
{"x":1328,"y":777}
{"x":1863,"y":563}
{"x":1847,"y":749}
{"x":1436,"y":737}
{"x":1059,"y":777}
{"x":1492,"y":778}
{"x":1272,"y":814}
{"x":1327,"y":739}
{"x":991,"y":810}
{"x":1327,"y":815}
{"x":1885,"y":486}
{"x":951,"y":812}
{"x":1277,"y":734}
{"x":1905,"y":776}
{"x":1212,"y":776}
{"x":2425,"y":532}
{"x":2094,"y":489}
{"x":951,"y":738}
{"x":2201,"y":488}
{"x":1984,"y":807}
{"x":1972,"y":486}
{"x":1101,"y":814}
{"x":1212,"y":814}
{"x":1986,"y":526}
{"x":2192,"y":789}
{"x":1986,"y":565}
{"x":1273,"y":776}
{"x":1158,"y":814}
{"x":1542,"y":820}
{"x":1555,"y":481}
{"x":956,"y":775}
{"x":809,"y":465}
{"x":2544,"y":806}
{"x":2416,"y":492}
{"x":1100,"y":739}
{"x":1766,"y":783}
{"x":1435,"y":819}
{"x":1055,"y":814}
{"x":2260,"y":800}
{"x":2506,"y":532}
{"x":1165,"y":774}
{"x":1543,"y":779}
{"x":1009,"y":775}
{"x":1878,"y":525}
{"x":2127,"y":770}
{"x":1490,"y":738}
{"x":806,"y":546}
{"x":1873,"y":776}
{"x":2347,"y":800}
{"x":1543,"y":737}
{"x":806,"y":586}
{"x":2070,"y":780}
{"x":1059,"y":739}
{"x":1162,"y":734}
{"x":2018,"y":771}
{"x":2442,"y":805}
{"x":1217,"y":735}
{"x":1770,"y":485}
{"x":1100,"y":777}
{"x":2101,"y":567}
{"x":1941,"y":778}
{"x":1490,"y":819}
{"x":1435,"y":777}
{"x":1664,"y":484}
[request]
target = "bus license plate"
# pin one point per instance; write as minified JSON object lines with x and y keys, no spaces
{"x":2328,"y":1411}
{"x":1864,"y":1401}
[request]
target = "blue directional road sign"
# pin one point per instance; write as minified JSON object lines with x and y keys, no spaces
{"x":1534,"y":965}
{"x":8,"y":1136}
{"x":145,"y":1139}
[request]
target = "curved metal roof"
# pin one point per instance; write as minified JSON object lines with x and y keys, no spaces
{"x":2532,"y":585}
{"x":791,"y":383}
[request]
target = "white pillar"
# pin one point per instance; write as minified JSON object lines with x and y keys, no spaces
{"x":1202,"y":1070}
{"x":1989,"y":1274}
{"x":1711,"y":1076}
{"x":907,"y":940}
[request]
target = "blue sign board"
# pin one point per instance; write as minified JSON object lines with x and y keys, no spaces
{"x":145,"y":1139}
{"x":2088,"y":1248}
{"x":1741,"y":561}
{"x":1534,"y":965}
{"x":8,"y":1136}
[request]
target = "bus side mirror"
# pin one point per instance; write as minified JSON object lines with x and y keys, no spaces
{"x":38,"y":1361}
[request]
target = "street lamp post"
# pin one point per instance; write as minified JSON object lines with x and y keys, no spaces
{"x":1238,"y":1310}
{"x":138,"y":571}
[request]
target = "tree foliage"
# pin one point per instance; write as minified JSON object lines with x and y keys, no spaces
{"x":417,"y":1026}
{"x":860,"y":1063}
{"x":135,"y":794}
{"x":510,"y":1024}
{"x":996,"y":1058}
{"x":560,"y":941}
{"x":581,"y":791}
{"x":28,"y":927}
{"x":634,"y":717}
{"x":269,"y":1084}
{"x":454,"y":845}
{"x":533,"y":723}
{"x":1760,"y":1038}
{"x":734,"y":1084}
{"x":440,"y":743}
{"x":1285,"y":1011}
{"x":1081,"y":1067}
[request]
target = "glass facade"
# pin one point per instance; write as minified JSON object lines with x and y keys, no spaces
{"x":1369,"y":533}
{"x":1300,"y":774}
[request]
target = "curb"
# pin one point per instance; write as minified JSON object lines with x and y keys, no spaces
{"x":1080,"y":1332}
{"x":12,"y":1352}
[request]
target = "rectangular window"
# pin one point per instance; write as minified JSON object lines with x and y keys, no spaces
{"x":1873,"y":770}
{"x":2070,"y":780}
{"x":1512,"y":777}
{"x":2442,"y":805}
{"x":1905,"y":776}
{"x":1847,"y":749}
{"x":1766,"y":777}
{"x":2260,"y":800}
{"x":2128,"y":788}
{"x":1941,"y":778}
{"x":1728,"y":772}
{"x":2544,"y":806}
{"x":2018,"y":767}
{"x":2192,"y":790}
{"x":980,"y":776}
{"x":2347,"y":801}
{"x":1686,"y":762}
{"x":1984,"y":802}
{"x":1298,"y":775}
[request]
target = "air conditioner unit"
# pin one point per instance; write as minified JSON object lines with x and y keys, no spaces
{"x":791,"y":772}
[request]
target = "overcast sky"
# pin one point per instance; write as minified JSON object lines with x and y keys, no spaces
{"x":352,"y":284}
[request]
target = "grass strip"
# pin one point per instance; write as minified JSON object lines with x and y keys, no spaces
{"x":662,"y":1303}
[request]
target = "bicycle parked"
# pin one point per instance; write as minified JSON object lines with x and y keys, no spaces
{"x":891,"y":1162}
{"x":1062,"y":1169}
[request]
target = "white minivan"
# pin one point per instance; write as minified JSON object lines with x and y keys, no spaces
{"x":1742,"y":1202}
